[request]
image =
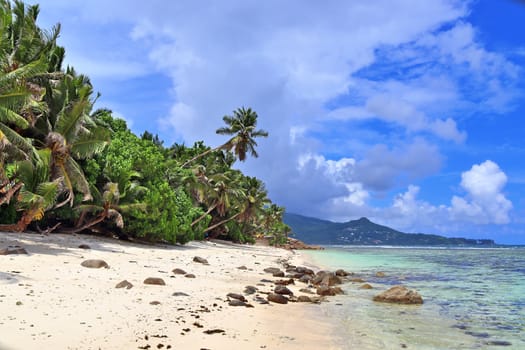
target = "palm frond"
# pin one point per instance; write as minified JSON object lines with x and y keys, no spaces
{"x":89,"y":144}
{"x":48,"y":191}
{"x":18,"y":141}
{"x":8,"y":116}
{"x":78,"y":179}
{"x":23,"y":72}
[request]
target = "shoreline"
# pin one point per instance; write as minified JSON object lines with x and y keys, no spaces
{"x":50,"y":301}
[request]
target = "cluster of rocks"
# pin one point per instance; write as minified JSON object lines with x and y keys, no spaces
{"x":319,"y":285}
{"x":98,"y":263}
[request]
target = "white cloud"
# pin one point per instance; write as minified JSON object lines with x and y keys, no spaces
{"x":484,"y":202}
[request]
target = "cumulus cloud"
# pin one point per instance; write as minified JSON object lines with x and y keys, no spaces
{"x":484,"y":201}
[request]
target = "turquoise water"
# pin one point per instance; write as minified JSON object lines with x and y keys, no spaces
{"x":473,"y":298}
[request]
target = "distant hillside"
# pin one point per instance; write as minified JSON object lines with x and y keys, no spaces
{"x":365,"y":232}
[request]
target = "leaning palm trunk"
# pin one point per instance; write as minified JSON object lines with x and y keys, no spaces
{"x":200,"y":155}
{"x":203,"y":215}
{"x":222,"y":222}
{"x":107,"y":213}
{"x":27,"y":217}
{"x":8,"y":193}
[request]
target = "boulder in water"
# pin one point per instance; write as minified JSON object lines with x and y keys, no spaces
{"x":399,"y":295}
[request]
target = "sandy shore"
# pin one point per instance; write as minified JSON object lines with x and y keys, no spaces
{"x":49,"y":301}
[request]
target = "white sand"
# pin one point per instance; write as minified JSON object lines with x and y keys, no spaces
{"x":49,"y":301}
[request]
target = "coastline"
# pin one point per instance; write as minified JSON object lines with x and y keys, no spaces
{"x":50,"y":301}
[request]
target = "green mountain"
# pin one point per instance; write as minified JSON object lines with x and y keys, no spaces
{"x":365,"y":232}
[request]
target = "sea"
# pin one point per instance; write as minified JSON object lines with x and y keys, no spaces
{"x":473,"y":298}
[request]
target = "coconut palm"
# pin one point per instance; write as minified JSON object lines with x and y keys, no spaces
{"x":70,"y":133}
{"x":251,"y":198}
{"x":36,"y":193}
{"x":243,"y":125}
{"x":214,"y":191}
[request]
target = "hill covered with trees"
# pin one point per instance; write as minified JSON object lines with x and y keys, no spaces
{"x":365,"y":232}
{"x":67,"y":167}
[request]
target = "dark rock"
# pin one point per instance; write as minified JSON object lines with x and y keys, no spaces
{"x":84,"y":246}
{"x":341,"y":273}
{"x":272,"y":270}
{"x":236,"y":302}
{"x":331,"y":279}
{"x":294,"y":275}
{"x":178,"y":271}
{"x":155,"y":302}
{"x":189,"y":275}
{"x":180,"y":294}
{"x":250,"y":290}
{"x":306,"y":290}
{"x":304,"y":299}
{"x":278,"y":274}
{"x":260,"y":300}
{"x":124,"y":284}
{"x":242,"y":267}
{"x":284,"y":282}
{"x":326,"y":290}
{"x":200,"y":260}
{"x":236,"y":296}
{"x":366,"y":286}
{"x":358,"y":280}
{"x":282,"y":290}
{"x":277,"y":298}
{"x":13,"y":249}
{"x":154,"y":281}
{"x":319,"y":276}
{"x":399,"y":295}
{"x":498,"y":343}
{"x":305,"y":278}
{"x":95,"y":264}
{"x":265,"y":280}
{"x":214,"y":331}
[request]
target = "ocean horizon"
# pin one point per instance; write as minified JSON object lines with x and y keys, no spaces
{"x":473,"y":297}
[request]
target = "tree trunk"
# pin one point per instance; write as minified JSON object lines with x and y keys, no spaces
{"x":222,"y":222}
{"x":199,"y":156}
{"x":99,"y":218}
{"x":203,"y":215}
{"x":8,"y":194}
{"x":22,"y":224}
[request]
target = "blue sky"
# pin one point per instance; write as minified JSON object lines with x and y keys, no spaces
{"x":407,"y":112}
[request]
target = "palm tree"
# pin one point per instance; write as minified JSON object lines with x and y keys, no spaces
{"x":111,"y":205}
{"x":70,"y":133}
{"x":36,"y":193}
{"x":215,"y":191}
{"x":250,"y":200}
{"x":243,"y":125}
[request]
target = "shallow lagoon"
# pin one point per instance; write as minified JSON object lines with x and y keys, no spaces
{"x":474,"y":298}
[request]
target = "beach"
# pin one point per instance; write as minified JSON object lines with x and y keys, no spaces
{"x":49,"y":300}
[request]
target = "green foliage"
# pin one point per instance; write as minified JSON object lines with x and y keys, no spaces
{"x":53,"y":147}
{"x":8,"y":214}
{"x":167,"y":218}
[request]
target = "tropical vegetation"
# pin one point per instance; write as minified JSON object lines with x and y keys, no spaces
{"x":68,"y":167}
